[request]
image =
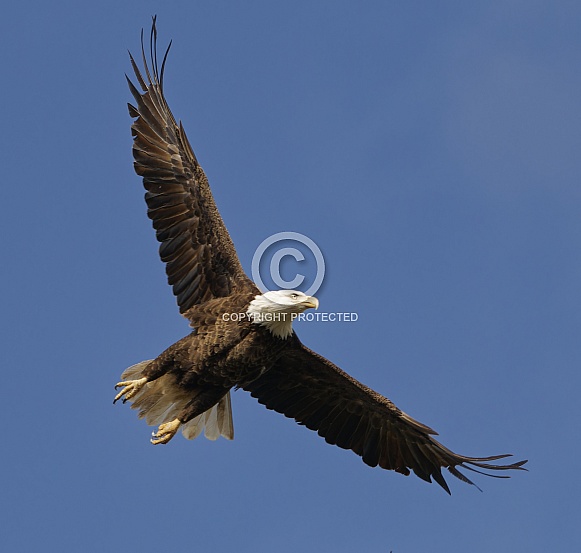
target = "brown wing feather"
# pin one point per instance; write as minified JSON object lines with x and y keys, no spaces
{"x":310,"y":389}
{"x":201,"y":262}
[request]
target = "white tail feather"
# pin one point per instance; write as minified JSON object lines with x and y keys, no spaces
{"x":212,"y":432}
{"x":225,"y":422}
{"x":161,"y":400}
{"x":192,"y":429}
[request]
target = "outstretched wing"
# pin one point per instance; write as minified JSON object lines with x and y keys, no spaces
{"x":201,"y":262}
{"x":310,"y":389}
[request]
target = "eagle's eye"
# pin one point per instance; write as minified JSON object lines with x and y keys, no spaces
{"x":294,"y":296}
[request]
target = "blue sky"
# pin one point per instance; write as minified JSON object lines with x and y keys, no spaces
{"x":431,"y":150}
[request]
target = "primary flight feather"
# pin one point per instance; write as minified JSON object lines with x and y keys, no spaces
{"x":188,"y":386}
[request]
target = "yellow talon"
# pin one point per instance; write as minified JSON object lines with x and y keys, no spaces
{"x":165,"y":432}
{"x":130,"y":388}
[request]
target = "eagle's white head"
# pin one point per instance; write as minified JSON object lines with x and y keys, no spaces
{"x":277,"y":310}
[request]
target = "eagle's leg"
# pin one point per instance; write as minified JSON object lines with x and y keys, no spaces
{"x":165,"y":432}
{"x":136,"y":376}
{"x":129,"y":388}
{"x":205,"y":399}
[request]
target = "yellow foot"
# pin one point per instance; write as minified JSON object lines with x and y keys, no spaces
{"x":165,"y":432}
{"x":130,"y":388}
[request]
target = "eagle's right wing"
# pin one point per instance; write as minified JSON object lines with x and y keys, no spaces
{"x":201,"y":262}
{"x":316,"y":393}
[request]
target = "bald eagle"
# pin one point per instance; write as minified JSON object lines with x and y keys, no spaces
{"x":188,"y":386}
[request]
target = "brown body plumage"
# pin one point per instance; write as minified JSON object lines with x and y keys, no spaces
{"x":187,"y":387}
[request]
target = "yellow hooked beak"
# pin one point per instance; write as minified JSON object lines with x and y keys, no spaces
{"x":311,"y":302}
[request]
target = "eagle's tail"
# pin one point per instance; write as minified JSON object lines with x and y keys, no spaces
{"x":161,"y":400}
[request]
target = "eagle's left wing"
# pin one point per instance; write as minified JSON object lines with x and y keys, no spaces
{"x":310,"y":389}
{"x":201,"y":262}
